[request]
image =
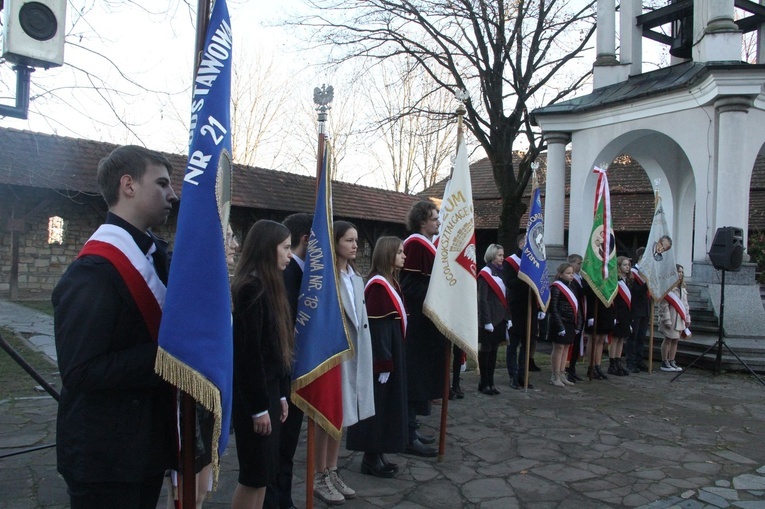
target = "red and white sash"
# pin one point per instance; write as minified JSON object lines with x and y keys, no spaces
{"x":394,"y":297}
{"x":515,"y":261}
{"x":676,"y":302}
{"x":637,"y":276}
{"x":495,"y":283}
{"x":625,"y":293}
{"x":137,"y":270}
{"x":421,"y":239}
{"x":570,"y":297}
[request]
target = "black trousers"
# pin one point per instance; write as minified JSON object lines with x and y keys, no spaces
{"x":279,"y":494}
{"x":115,"y":495}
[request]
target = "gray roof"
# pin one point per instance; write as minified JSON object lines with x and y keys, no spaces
{"x":648,"y":84}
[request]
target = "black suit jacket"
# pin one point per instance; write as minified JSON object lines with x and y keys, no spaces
{"x":116,"y":416}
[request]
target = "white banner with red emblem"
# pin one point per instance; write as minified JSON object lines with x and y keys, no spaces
{"x":452,"y":299}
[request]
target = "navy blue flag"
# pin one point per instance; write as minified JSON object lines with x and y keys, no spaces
{"x":321,"y":340}
{"x":533,"y":269}
{"x":196,"y":333}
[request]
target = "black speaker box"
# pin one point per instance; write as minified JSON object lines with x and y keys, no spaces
{"x":727,"y":251}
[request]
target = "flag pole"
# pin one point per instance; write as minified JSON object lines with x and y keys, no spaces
{"x":188,"y":404}
{"x":653,"y":301}
{"x":461,"y":111}
{"x":528,"y":341}
{"x":322,"y":96}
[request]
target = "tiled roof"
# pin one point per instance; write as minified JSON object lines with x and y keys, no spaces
{"x":68,"y":165}
{"x":631,"y":194}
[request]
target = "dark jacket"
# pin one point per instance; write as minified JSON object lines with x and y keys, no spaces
{"x":562,"y":317}
{"x":518,"y":301}
{"x":116,"y":416}
{"x":490,"y":307}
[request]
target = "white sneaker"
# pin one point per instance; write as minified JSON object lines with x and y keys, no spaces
{"x":665,"y":366}
{"x":326,"y":491}
{"x":675,"y":366}
{"x":340,"y":485}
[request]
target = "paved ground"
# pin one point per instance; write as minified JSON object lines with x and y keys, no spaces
{"x":636,"y":441}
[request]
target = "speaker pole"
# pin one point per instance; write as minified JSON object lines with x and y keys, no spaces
{"x":720,"y":343}
{"x":718,"y":359}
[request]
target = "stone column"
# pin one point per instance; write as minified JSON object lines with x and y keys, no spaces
{"x":733,"y":179}
{"x":631,"y":36}
{"x":720,"y":16}
{"x":605,"y":42}
{"x":555,"y":194}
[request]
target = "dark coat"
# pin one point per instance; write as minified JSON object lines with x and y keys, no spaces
{"x":518,"y":302}
{"x":605,"y":315}
{"x":562,"y":316}
{"x":116,"y":416}
{"x":623,"y":327}
{"x":491,"y":310}
{"x":641,"y":300}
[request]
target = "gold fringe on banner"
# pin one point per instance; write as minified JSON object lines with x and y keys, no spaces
{"x":195,"y":384}
{"x":452,"y":336}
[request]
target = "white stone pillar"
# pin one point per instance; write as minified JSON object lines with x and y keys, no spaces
{"x":720,"y":16}
{"x":555,"y":193}
{"x":716,"y":37}
{"x":631,"y":42}
{"x":761,"y":41}
{"x":605,"y":42}
{"x":732,"y":197}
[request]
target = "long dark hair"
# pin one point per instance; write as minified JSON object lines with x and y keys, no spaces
{"x":384,"y":258}
{"x":259,"y":261}
{"x":340,"y":228}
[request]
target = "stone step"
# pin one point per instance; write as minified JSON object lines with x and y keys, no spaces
{"x":750,"y":351}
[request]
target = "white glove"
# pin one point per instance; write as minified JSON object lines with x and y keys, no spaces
{"x":541,"y":315}
{"x":562,"y":333}
{"x":615,"y":321}
{"x":590,"y":322}
{"x":383,"y":377}
{"x":509,"y":324}
{"x":488,"y":327}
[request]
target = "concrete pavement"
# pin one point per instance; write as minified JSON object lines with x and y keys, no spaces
{"x":635,"y":441}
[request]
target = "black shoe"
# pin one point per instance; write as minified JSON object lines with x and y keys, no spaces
{"x":494,"y":389}
{"x":571,"y":378}
{"x":533,"y":366}
{"x":612,"y":368}
{"x":458,"y":390}
{"x":390,"y":466}
{"x":487,"y":390}
{"x":452,"y":395}
{"x":514,"y":385}
{"x":417,"y":448}
{"x":633,"y":369}
{"x":643,"y":368}
{"x":373,"y":465}
{"x":600,"y":372}
{"x":426,"y":439}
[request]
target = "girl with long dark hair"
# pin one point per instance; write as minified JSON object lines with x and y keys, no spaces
{"x":263,"y":347}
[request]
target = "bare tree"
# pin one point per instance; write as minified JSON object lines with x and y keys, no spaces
{"x":259,"y":99}
{"x":416,"y":145}
{"x":510,"y":56}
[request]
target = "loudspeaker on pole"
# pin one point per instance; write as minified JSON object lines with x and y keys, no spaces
{"x":727,"y":251}
{"x":33,"y":32}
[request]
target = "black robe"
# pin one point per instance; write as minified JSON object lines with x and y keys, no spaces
{"x":386,"y":431}
{"x":426,"y":347}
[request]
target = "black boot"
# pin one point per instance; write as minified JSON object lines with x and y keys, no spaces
{"x":372,"y":464}
{"x":611,"y":366}
{"x":390,"y":466}
{"x":600,"y":373}
{"x":622,"y":370}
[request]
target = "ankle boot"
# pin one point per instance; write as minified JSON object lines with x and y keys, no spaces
{"x":563,"y":378}
{"x":611,"y":366}
{"x":600,"y":372}
{"x":554,"y":380}
{"x":622,"y":370}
